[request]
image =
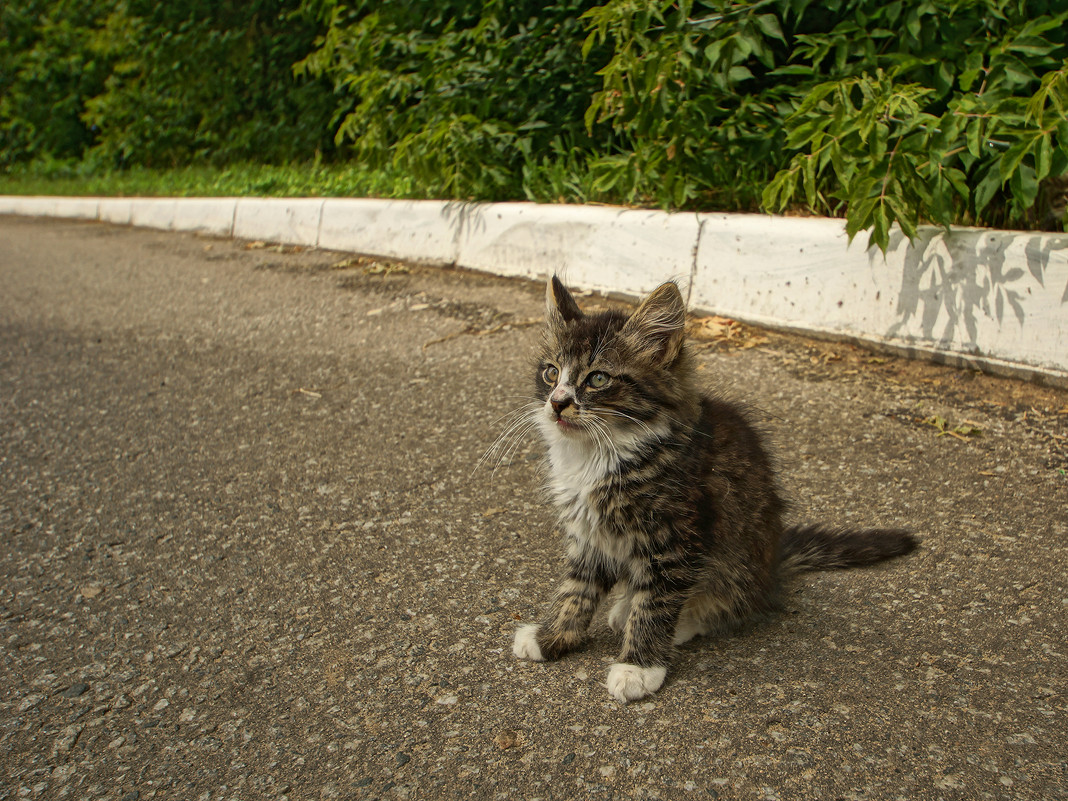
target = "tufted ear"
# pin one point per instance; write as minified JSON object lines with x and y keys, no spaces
{"x":658,"y":325}
{"x":560,"y":306}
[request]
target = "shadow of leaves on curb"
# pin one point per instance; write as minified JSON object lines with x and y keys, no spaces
{"x":950,"y":281}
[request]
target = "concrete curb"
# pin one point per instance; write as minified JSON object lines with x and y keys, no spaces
{"x":994,"y":300}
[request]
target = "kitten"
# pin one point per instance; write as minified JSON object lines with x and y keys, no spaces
{"x":662,"y":490}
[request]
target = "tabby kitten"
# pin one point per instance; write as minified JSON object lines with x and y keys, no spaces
{"x":662,"y":490}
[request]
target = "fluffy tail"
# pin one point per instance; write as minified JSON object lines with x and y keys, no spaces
{"x":815,"y":547}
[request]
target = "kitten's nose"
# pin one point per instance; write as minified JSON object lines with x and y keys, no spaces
{"x":560,"y":405}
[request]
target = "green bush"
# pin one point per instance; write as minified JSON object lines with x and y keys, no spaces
{"x":209,"y":81}
{"x":133,"y":82}
{"x":944,"y":111}
{"x":696,"y":94}
{"x":459,"y":95}
{"x":881,"y":111}
{"x":48,"y":69}
{"x":962,"y":122}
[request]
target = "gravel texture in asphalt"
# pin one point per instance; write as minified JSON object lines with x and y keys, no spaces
{"x":249,"y":551}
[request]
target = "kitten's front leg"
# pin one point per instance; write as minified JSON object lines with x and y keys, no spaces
{"x":589,"y":577}
{"x":647,"y":644}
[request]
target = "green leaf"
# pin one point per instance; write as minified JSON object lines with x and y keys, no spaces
{"x":959,"y":181}
{"x":973,"y":135}
{"x":715,"y":51}
{"x":803,"y":133}
{"x":880,"y":229}
{"x":739,"y":73}
{"x":986,"y":189}
{"x":814,"y":96}
{"x":859,"y":216}
{"x":1009,"y":162}
{"x":877,"y":143}
{"x":905,"y":217}
{"x":769,"y":26}
{"x":808,"y":172}
{"x":914,"y":26}
{"x":1043,"y":156}
{"x":1024,"y":185}
{"x":792,"y":70}
{"x":967,"y":79}
{"x":845,"y":166}
{"x":944,"y":77}
{"x":1030,"y":46}
{"x":778,"y":194}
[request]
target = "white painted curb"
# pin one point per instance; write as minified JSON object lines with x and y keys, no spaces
{"x":114,"y":210}
{"x":594,"y":247}
{"x":996,"y":300}
{"x":414,"y":230}
{"x":293,"y":221}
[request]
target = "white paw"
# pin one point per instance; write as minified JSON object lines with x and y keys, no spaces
{"x":617,"y":617}
{"x":630,"y":682}
{"x":526,"y":643}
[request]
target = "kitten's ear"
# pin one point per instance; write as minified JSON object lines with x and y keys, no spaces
{"x":658,"y":325}
{"x":560,"y":306}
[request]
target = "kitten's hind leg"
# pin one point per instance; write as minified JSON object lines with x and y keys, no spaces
{"x":688,"y":627}
{"x":699,"y":616}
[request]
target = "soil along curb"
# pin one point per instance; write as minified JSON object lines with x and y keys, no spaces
{"x":996,"y":300}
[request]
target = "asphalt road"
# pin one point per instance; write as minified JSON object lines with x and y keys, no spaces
{"x":249,"y":552}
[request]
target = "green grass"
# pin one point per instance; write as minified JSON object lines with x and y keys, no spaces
{"x":565,"y":180}
{"x":263,"y":180}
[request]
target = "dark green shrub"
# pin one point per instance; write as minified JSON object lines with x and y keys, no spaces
{"x":49,"y":67}
{"x":138,"y":82}
{"x":459,"y":95}
{"x":199,"y":80}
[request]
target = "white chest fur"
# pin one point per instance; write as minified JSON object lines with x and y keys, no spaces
{"x":580,"y":467}
{"x":578,"y":471}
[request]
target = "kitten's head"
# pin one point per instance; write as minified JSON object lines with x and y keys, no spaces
{"x":611,"y":378}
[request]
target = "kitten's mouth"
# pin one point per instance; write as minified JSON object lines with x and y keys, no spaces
{"x":566,"y":425}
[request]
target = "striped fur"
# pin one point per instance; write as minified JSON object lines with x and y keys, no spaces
{"x":664,"y":493}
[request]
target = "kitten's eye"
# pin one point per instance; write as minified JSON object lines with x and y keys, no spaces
{"x":597,"y":379}
{"x":550,"y":374}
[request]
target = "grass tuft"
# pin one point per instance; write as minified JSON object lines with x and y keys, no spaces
{"x":235,"y":180}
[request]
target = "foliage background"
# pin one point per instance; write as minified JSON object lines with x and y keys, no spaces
{"x":132,"y":82}
{"x":923,"y":111}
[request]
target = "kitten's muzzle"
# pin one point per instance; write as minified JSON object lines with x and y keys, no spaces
{"x":560,"y":405}
{"x":566,"y":411}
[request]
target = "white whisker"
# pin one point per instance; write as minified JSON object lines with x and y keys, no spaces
{"x":517,"y":439}
{"x":653,"y":433}
{"x":520,"y":422}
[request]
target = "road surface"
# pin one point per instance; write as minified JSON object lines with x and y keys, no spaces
{"x":249,"y":552}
